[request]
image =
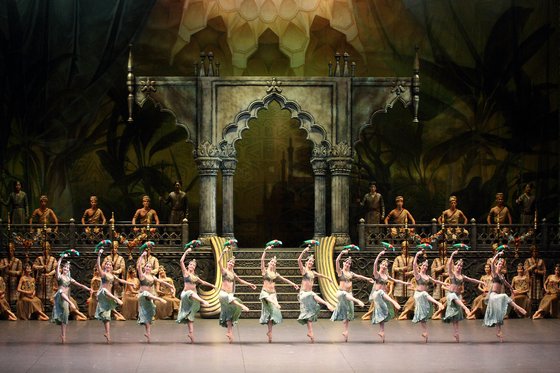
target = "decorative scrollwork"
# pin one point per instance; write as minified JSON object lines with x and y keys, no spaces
{"x":273,"y":86}
{"x":341,"y":149}
{"x":147,"y":86}
{"x":206,"y":149}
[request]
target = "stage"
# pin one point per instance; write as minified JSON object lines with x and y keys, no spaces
{"x":33,"y":346}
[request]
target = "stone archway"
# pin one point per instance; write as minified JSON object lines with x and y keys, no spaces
{"x":315,"y":133}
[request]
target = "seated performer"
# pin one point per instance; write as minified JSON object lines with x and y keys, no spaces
{"x":165,"y":311}
{"x":43,"y":216}
{"x":344,"y":310}
{"x":499,"y":215}
{"x":28,"y":303}
{"x":5,"y":309}
{"x":479,"y":305}
{"x":129,"y":308}
{"x":520,"y":284}
{"x":407,"y":310}
{"x":400,"y":215}
{"x":145,"y":216}
{"x":93,"y":218}
{"x":308,"y":300}
{"x":230,"y":306}
{"x":450,"y":220}
{"x":549,"y":303}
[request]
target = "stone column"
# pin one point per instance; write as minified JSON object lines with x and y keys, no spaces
{"x":319,"y":165}
{"x":208,"y":164}
{"x":228,"y":170}
{"x":340,"y":164}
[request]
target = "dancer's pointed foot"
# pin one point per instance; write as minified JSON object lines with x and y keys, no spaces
{"x":147,"y":335}
{"x":63,"y":339}
{"x":269,"y":336}
{"x":425,"y":336}
{"x":456,"y":335}
{"x":107,"y":338}
{"x":229,"y":337}
{"x":345,"y":335}
{"x":311,"y":337}
{"x":190,"y":336}
{"x":500,"y":336}
{"x":382,"y":336}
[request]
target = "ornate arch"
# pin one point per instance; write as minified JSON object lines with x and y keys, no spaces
{"x":315,"y":132}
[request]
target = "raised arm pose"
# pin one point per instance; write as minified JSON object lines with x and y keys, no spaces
{"x":379,"y":296}
{"x":190,"y":300}
{"x":308,"y":300}
{"x":270,"y":311}
{"x":344,"y":310}
{"x":422,"y":300}
{"x":106,"y":301}
{"x":62,"y":303}
{"x":498,"y":302}
{"x":455,"y":305}
{"x":146,"y":297}
{"x":230,"y":306}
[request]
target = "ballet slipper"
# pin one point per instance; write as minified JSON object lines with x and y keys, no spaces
{"x":425,"y":336}
{"x":190,"y":336}
{"x":382,"y":336}
{"x":311,"y":337}
{"x":229,"y":337}
{"x":269,"y":335}
{"x":345,"y":335}
{"x":456,"y":336}
{"x":147,"y":337}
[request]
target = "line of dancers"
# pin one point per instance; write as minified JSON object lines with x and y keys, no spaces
{"x":310,"y":302}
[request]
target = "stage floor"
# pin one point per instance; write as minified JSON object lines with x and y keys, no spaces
{"x":33,"y":346}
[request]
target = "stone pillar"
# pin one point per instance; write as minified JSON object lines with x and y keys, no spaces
{"x":228,"y":170}
{"x":340,"y":164}
{"x":208,"y":164}
{"x":320,"y":165}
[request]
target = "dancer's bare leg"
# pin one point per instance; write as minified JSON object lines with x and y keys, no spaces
{"x":393,"y":302}
{"x":500,"y":334}
{"x":438,"y":304}
{"x":70,"y":304}
{"x":538,"y":315}
{"x":320,"y":300}
{"x":198,"y":298}
{"x":190,"y":325}
{"x":107,"y":334}
{"x":269,"y":333}
{"x":424,"y":331}
{"x":229,"y":333}
{"x":310,"y":331}
{"x":11,"y":316}
{"x":148,"y":333}
{"x":456,"y":330}
{"x":118,"y":315}
{"x":355,"y":300}
{"x":238,"y":304}
{"x":63,"y":333}
{"x":345,"y":332}
{"x":517,"y":308}
{"x":108,"y":294}
{"x":381,"y":333}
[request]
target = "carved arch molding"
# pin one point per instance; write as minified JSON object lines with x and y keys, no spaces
{"x":215,"y":111}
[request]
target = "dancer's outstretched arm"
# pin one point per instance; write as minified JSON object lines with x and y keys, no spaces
{"x":288,"y":282}
{"x":251,"y":285}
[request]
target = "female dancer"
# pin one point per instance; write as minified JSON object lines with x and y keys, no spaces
{"x":308,"y":300}
{"x":344,"y":310}
{"x":28,"y":303}
{"x":498,"y":302}
{"x":190,"y":300}
{"x":146,"y":297}
{"x":551,"y":296}
{"x":455,"y":306}
{"x":270,"y":312}
{"x":230,"y":306}
{"x":106,"y":301}
{"x":379,"y":297}
{"x":62,"y":303}
{"x":422,"y":308}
